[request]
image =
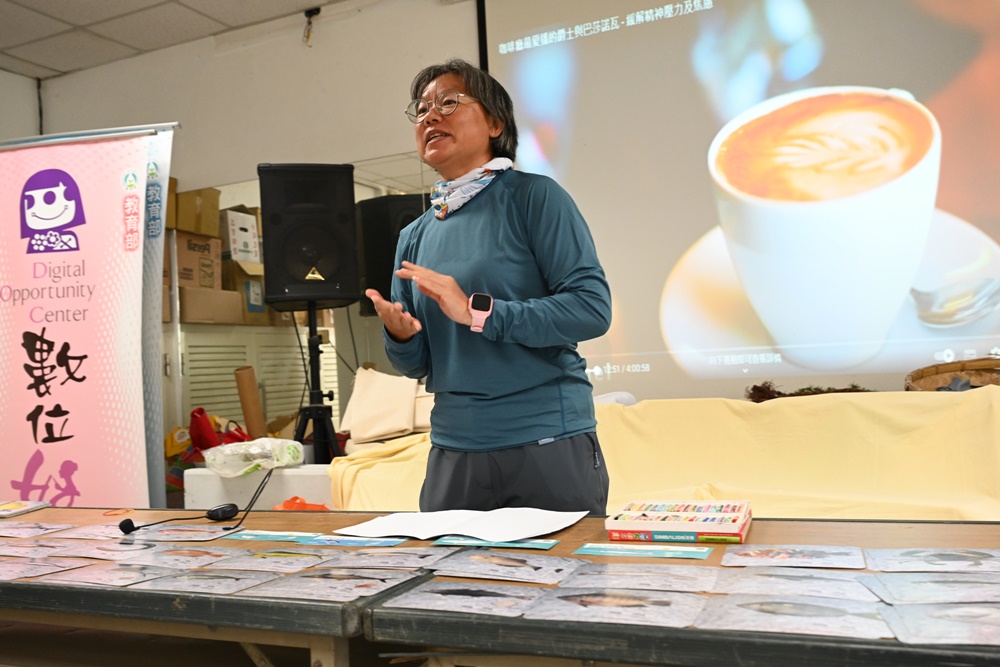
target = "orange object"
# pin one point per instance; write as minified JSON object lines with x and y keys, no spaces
{"x":297,"y":503}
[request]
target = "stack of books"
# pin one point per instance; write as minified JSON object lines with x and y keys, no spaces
{"x":16,"y":507}
{"x":681,"y":521}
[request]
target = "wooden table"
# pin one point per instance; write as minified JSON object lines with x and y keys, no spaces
{"x":326,"y":629}
{"x":644,"y":645}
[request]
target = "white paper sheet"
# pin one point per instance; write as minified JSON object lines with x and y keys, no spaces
{"x":500,"y":525}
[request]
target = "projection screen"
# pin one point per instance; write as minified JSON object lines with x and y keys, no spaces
{"x":802,"y":191}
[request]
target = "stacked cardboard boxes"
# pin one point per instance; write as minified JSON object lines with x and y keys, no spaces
{"x":220,"y":270}
{"x":198,"y":251}
{"x":247,"y":280}
{"x":240,"y":239}
{"x":198,"y":211}
{"x":242,"y":268}
{"x":170,"y":218}
{"x":199,"y":281}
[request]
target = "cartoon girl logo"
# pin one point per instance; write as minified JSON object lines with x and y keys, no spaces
{"x":50,"y":205}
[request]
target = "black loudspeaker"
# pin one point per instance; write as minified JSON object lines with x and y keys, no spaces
{"x":310,"y":235}
{"x":380,"y":220}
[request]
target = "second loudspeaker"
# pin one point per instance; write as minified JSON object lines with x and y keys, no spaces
{"x":381,"y":219}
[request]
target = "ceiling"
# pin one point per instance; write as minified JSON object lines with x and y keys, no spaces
{"x":41,"y":39}
{"x":45,"y":38}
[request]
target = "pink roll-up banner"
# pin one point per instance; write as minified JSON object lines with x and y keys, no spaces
{"x":71,"y":275}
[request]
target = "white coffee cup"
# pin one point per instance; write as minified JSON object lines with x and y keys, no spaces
{"x":825,"y":199}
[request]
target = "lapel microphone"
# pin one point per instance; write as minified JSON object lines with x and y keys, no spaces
{"x":223,"y":512}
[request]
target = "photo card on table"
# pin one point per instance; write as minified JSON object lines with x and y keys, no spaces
{"x":332,"y":584}
{"x":31,"y":548}
{"x":394,"y":557}
{"x":609,"y":605}
{"x":945,"y":623}
{"x":31,"y":529}
{"x":495,"y":564}
{"x":293,"y":559}
{"x":97,"y":531}
{"x":108,"y":549}
{"x":645,"y":577}
{"x":218,"y":582}
{"x":801,"y":614}
{"x":841,"y":584}
{"x":492,"y":599}
{"x":24,"y":568}
{"x":897,"y":588}
{"x":933,"y":559}
{"x":793,"y":555}
{"x":114,"y":573}
{"x":185,"y":558}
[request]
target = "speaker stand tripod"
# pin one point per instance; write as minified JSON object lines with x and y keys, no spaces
{"x":318,"y":412}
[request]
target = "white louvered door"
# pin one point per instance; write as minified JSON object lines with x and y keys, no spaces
{"x":210,"y":354}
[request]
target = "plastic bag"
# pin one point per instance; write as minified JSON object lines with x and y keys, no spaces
{"x":243,"y":458}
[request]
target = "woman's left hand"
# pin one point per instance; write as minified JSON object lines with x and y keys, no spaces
{"x":443,"y":289}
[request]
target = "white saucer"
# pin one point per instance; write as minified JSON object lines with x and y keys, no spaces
{"x":709,"y":326}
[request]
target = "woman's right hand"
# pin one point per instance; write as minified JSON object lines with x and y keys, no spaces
{"x":401,"y":325}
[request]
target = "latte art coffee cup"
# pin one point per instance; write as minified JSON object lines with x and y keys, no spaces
{"x":828,"y":146}
{"x":825,"y":200}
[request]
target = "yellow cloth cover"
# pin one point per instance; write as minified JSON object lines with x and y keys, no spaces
{"x":878,"y":455}
{"x":385,"y":477}
{"x":381,"y":406}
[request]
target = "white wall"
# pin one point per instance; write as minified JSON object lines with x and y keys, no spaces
{"x":261,"y":95}
{"x":18,"y":106}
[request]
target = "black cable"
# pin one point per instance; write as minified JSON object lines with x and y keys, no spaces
{"x":341,"y":357}
{"x":223,"y":512}
{"x":127,"y":526}
{"x":354,"y":343}
{"x":41,"y":118}
{"x":253,"y":500}
{"x":305,"y":362}
{"x":305,"y":374}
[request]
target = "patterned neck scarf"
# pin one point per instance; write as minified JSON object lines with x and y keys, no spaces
{"x":449,"y":196}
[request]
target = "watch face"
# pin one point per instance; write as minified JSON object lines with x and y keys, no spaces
{"x":481,"y":302}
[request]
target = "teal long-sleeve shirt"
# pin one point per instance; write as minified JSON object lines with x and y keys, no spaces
{"x":523,"y":241}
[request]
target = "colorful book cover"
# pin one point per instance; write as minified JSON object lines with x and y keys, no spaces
{"x":632,"y":535}
{"x":15,"y":507}
{"x":680,"y":521}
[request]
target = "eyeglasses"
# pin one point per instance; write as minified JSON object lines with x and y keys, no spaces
{"x":446,"y":102}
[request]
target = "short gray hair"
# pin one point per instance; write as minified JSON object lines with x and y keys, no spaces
{"x":486,"y":90}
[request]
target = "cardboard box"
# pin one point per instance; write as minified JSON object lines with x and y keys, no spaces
{"x":199,"y":261}
{"x":198,"y":211}
{"x":284,"y":427}
{"x":255,"y":212}
{"x":170,"y":219}
{"x":281,"y":318}
{"x":166,"y":303}
{"x":250,"y":210}
{"x":210,"y":306}
{"x":247,"y":279}
{"x":239,"y":236}
{"x":324,"y":319}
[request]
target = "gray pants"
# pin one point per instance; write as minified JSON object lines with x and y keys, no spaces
{"x":565,"y":475}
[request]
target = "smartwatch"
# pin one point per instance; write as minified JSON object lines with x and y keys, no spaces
{"x":480,"y":307}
